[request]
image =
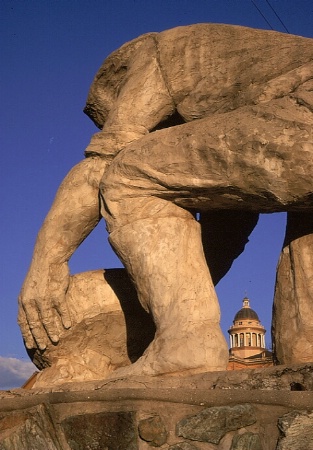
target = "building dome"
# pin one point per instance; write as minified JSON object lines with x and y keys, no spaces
{"x":246,"y":313}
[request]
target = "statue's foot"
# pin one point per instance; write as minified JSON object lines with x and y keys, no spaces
{"x":180,"y":356}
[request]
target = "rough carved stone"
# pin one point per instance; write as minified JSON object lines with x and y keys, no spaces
{"x":107,"y":413}
{"x":211,"y":424}
{"x":30,"y":430}
{"x":101,"y":431}
{"x":183,"y":446}
{"x":110,"y":329}
{"x":153,"y":431}
{"x":246,"y":441}
{"x":208,"y":119}
{"x":293,"y":306}
{"x":296,"y":430}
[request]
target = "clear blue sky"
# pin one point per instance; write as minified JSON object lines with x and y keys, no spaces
{"x":50,"y":52}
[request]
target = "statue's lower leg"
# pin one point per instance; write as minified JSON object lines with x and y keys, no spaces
{"x":164,"y":256}
{"x":292,"y":327}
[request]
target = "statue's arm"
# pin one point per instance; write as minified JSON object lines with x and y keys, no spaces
{"x":142,"y":102}
{"x":74,"y":214}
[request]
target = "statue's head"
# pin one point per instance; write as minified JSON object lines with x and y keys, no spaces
{"x":110,"y":79}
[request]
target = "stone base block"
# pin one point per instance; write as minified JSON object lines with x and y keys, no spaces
{"x":265,"y":409}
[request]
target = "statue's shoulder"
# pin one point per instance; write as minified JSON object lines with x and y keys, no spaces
{"x":204,"y":29}
{"x":221,"y":31}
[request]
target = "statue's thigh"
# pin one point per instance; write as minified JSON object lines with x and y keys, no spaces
{"x":253,"y":159}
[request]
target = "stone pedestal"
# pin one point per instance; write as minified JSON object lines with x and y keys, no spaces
{"x":265,"y":409}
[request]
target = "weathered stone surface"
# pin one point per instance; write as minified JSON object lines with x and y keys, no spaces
{"x":183,"y":446}
{"x":246,"y":441}
{"x":107,"y":413}
{"x":240,"y":156}
{"x":194,"y":119}
{"x":153,"y":431}
{"x":296,"y":431}
{"x":111,"y":430}
{"x":189,"y":58}
{"x":110,"y":329}
{"x":188,"y":337}
{"x":292,"y":331}
{"x":211,"y":424}
{"x":286,"y":378}
{"x":32,"y":429}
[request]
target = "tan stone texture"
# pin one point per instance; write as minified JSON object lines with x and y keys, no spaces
{"x":109,"y":329}
{"x":293,"y":306}
{"x":207,"y":119}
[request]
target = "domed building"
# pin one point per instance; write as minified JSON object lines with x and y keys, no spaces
{"x":247,"y":341}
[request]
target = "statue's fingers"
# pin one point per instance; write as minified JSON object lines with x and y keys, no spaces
{"x":50,"y":319}
{"x":35,"y":324}
{"x":26,"y":333}
{"x":65,"y":315}
{"x":38,"y":333}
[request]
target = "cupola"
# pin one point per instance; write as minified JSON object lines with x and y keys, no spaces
{"x":247,"y":334}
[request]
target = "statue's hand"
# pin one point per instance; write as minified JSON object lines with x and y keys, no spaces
{"x":43,"y":311}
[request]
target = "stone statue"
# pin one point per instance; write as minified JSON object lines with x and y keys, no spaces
{"x":209,"y":120}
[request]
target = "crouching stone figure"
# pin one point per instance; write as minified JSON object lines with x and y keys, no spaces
{"x":209,"y":120}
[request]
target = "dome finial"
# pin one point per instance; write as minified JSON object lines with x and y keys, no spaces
{"x":246,"y":302}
